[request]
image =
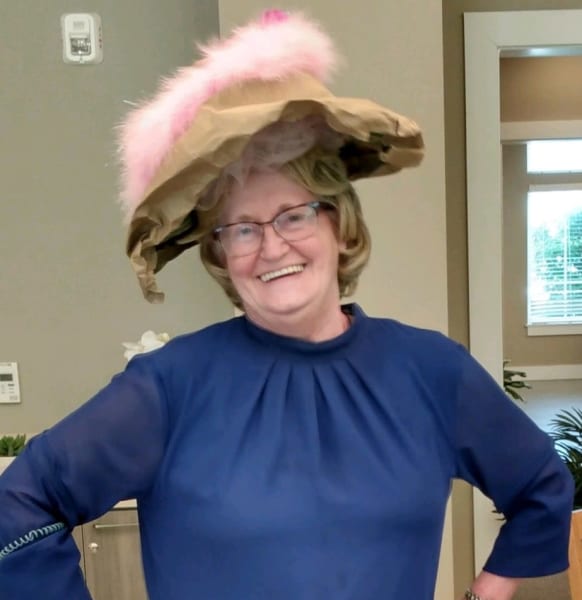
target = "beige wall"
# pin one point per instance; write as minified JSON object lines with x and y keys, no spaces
{"x":67,"y":293}
{"x":520,"y":348}
{"x":541,"y":89}
{"x":458,"y":301}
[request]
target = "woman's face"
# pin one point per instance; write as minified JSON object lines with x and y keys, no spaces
{"x":282,"y":281}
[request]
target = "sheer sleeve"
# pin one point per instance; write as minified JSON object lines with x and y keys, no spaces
{"x":107,"y":450}
{"x":503,"y":453}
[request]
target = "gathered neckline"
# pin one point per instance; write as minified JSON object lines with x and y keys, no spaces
{"x":303,"y":347}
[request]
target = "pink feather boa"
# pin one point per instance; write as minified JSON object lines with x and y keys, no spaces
{"x":276,"y":46}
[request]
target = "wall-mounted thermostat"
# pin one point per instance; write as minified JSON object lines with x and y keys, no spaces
{"x":9,"y":386}
{"x":82,"y":40}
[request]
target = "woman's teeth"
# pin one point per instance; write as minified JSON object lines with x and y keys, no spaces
{"x":281,"y":273}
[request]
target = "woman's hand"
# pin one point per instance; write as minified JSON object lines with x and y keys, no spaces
{"x":494,"y":587}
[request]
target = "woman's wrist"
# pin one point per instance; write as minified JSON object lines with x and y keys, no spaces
{"x":488,"y":586}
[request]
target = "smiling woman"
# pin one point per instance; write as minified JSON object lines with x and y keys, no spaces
{"x":287,"y":286}
{"x":302,"y":450}
{"x":317,"y":246}
{"x":317,"y":174}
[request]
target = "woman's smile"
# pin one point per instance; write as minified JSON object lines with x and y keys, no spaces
{"x":283,"y":272}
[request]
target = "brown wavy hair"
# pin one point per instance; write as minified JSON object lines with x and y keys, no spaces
{"x":324,"y":175}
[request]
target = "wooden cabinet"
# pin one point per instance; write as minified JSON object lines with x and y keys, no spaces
{"x":575,"y":571}
{"x":111,"y":556}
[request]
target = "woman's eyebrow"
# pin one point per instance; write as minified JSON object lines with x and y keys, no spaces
{"x":242,"y":218}
{"x":245,"y":218}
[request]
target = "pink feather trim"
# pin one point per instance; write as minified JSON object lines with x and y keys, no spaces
{"x":274,"y":47}
{"x":274,"y":16}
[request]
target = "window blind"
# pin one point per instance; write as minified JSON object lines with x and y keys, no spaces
{"x":554,"y":256}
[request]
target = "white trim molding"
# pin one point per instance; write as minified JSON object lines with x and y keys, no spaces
{"x":564,"y":329}
{"x":549,"y":372}
{"x":555,"y":187}
{"x":524,"y":131}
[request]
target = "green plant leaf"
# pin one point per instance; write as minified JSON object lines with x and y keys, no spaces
{"x":511,"y":385}
{"x":566,"y":431}
{"x":12,"y":445}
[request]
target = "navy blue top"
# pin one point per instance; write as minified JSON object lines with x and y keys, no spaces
{"x":269,"y":468}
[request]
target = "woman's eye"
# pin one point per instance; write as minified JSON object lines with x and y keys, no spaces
{"x":244,"y":231}
{"x":293,"y":218}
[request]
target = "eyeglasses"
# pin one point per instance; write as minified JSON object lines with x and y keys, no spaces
{"x":292,"y":224}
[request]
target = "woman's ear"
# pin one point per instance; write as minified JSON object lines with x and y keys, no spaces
{"x":219,"y":254}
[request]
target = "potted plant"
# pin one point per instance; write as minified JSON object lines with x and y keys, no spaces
{"x":566,"y":431}
{"x":511,"y":385}
{"x":10,"y":446}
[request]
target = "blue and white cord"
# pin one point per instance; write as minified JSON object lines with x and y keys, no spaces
{"x":31,"y":536}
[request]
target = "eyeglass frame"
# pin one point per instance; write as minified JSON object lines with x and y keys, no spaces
{"x":316,"y":205}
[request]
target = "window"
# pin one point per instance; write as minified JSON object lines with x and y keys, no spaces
{"x":554,"y":156}
{"x":554,"y":258}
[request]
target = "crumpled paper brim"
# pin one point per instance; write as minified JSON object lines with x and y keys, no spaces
{"x":382,"y":142}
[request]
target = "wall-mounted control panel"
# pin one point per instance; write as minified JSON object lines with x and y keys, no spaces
{"x":9,"y":385}
{"x":82,"y":39}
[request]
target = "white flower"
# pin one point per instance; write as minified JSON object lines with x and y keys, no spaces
{"x":149,"y":341}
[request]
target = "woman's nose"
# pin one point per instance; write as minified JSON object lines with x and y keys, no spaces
{"x":273,"y":245}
